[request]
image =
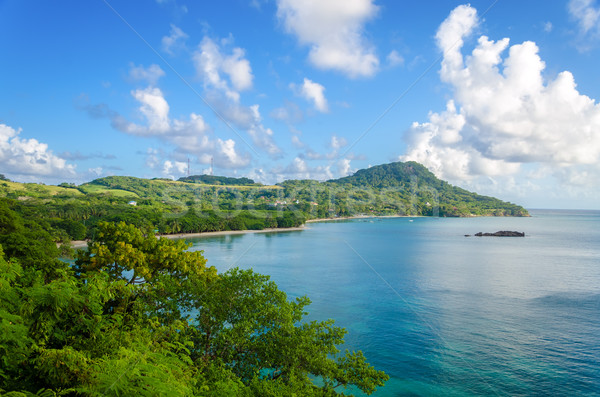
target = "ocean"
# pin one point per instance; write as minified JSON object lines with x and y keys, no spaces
{"x":441,"y":313}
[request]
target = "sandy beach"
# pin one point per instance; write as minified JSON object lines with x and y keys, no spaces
{"x":83,"y":243}
{"x":227,"y":232}
{"x":345,"y":218}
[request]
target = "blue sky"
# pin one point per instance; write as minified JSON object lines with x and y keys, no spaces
{"x":499,"y":97}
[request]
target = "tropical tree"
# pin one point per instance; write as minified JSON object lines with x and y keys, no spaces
{"x":138,"y":315}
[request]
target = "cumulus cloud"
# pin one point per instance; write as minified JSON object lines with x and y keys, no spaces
{"x":337,"y":142}
{"x":30,"y":159}
{"x":170,"y":168}
{"x":151,"y":74}
{"x":504,"y":115}
{"x":155,"y":109}
{"x":213,"y":65}
{"x":333,"y":30}
{"x":587,"y":15}
{"x":225,"y":76}
{"x":227,"y":154}
{"x":174,"y":40}
{"x":314,"y":93}
{"x":344,"y":167}
{"x":191,"y":136}
{"x":298,"y":169}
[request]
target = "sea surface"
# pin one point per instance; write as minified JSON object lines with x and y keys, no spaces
{"x":441,"y":313}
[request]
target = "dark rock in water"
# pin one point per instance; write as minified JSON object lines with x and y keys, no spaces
{"x":502,"y":233}
{"x":467,"y":235}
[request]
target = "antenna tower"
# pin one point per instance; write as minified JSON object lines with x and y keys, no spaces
{"x":212,"y":166}
{"x":188,"y":167}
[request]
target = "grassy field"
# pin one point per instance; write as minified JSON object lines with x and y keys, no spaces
{"x":97,"y":189}
{"x":34,"y":188}
{"x":40,"y":190}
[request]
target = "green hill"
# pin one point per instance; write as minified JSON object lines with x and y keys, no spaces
{"x":222,"y":203}
{"x":416,"y":186}
{"x":217,"y":180}
{"x":391,"y":175}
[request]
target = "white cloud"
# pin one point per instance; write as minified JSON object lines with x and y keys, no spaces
{"x":298,"y":169}
{"x":262,"y":136}
{"x":238,"y":69}
{"x":450,"y":36}
{"x":95,"y":172}
{"x":395,"y":59}
{"x":344,"y":167}
{"x":30,"y":159}
{"x":228,"y":157}
{"x":334,"y":31}
{"x":174,"y":40}
{"x":231,"y":111}
{"x":156,"y":110}
{"x":152,"y":158}
{"x":211,"y":63}
{"x":587,"y":15}
{"x":548,"y":27}
{"x":504,"y":115}
{"x":189,"y":136}
{"x":174,"y":167}
{"x":337,"y":142}
{"x":151,"y":74}
{"x":314,"y":93}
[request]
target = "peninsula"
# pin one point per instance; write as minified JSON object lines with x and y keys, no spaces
{"x":206,"y":203}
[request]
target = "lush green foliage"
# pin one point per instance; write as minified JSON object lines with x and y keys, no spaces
{"x":137,"y":315}
{"x":168,"y":207}
{"x":413,"y":188}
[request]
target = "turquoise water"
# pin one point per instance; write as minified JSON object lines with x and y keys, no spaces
{"x":441,"y":313}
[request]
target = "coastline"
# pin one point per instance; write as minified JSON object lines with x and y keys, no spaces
{"x":344,"y":218}
{"x":76,"y":244}
{"x":228,"y":232}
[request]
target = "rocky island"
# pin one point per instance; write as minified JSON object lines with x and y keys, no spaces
{"x":502,"y":233}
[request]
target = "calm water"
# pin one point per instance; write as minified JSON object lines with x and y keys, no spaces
{"x":444,"y":314}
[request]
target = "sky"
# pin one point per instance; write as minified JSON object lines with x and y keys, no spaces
{"x":497,"y":96}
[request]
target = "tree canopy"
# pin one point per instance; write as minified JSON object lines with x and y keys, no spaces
{"x":139,"y":315}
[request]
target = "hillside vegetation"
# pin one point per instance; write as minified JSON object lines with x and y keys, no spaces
{"x":135,"y":315}
{"x":202,"y":204}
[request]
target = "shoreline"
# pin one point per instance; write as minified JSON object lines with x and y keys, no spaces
{"x":75,"y":244}
{"x":345,"y":218}
{"x":229,"y":232}
{"x":83,"y":243}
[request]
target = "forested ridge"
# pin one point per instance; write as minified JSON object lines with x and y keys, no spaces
{"x":210,"y":203}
